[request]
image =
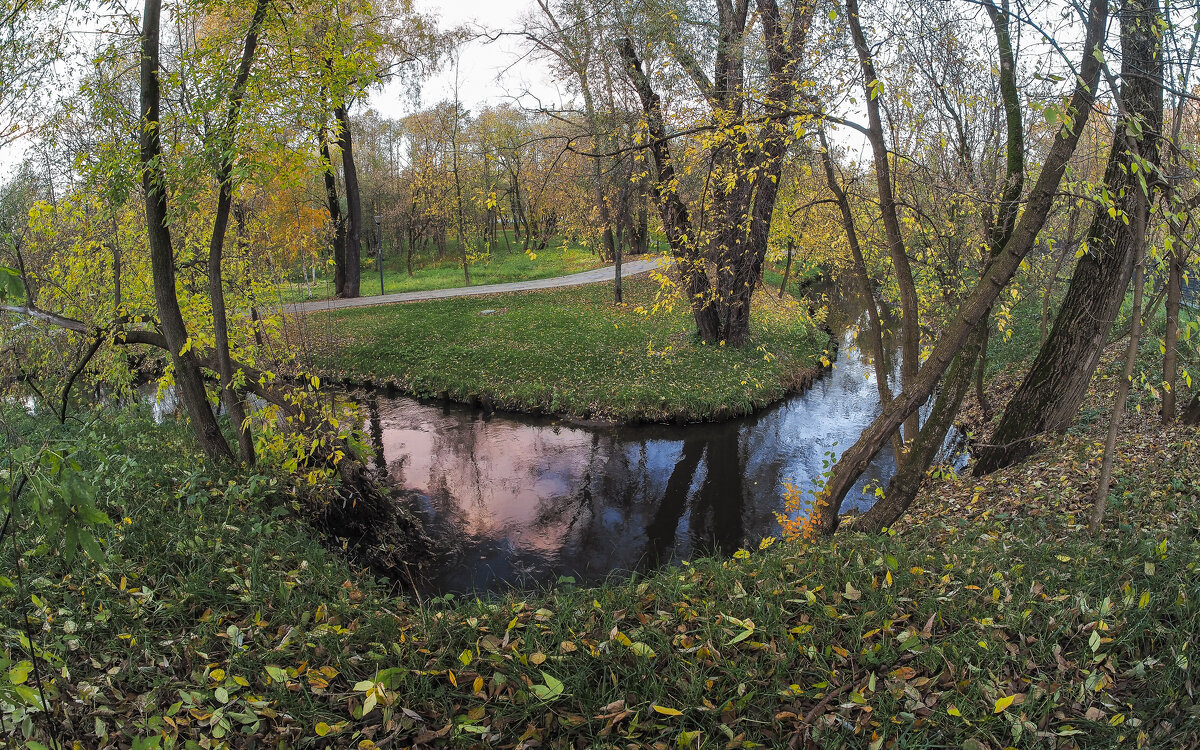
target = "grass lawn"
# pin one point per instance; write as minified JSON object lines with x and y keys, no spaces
{"x":217,"y":619}
{"x":503,"y":266}
{"x":571,"y":351}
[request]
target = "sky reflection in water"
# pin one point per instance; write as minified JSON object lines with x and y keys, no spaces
{"x":525,"y":500}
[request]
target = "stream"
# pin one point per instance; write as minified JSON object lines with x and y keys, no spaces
{"x":525,"y":501}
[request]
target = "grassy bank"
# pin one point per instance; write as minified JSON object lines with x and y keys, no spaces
{"x":571,"y":351}
{"x":502,"y":266}
{"x":217,"y":619}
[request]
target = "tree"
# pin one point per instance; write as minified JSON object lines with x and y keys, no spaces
{"x":998,"y":227}
{"x":911,"y":316}
{"x":360,"y":44}
{"x":577,"y":49}
{"x":188,"y":378}
{"x":749,"y":131}
{"x":1051,"y":393}
{"x":32,"y":38}
{"x":975,"y":306}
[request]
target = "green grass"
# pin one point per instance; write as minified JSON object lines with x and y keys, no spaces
{"x":503,"y":265}
{"x":217,"y":617}
{"x":800,"y":276}
{"x":571,"y":351}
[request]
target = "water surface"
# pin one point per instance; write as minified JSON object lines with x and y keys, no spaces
{"x":523,"y":501}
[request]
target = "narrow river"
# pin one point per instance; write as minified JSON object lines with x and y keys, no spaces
{"x":523,"y":501}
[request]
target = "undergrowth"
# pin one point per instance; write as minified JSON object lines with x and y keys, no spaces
{"x":214,"y":619}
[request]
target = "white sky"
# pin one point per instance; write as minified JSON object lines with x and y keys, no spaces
{"x":488,"y":72}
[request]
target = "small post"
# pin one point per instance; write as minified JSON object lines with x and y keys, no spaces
{"x":379,"y":250}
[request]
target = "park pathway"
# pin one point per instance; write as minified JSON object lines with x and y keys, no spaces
{"x":595,"y":276}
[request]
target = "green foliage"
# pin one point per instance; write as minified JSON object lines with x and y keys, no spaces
{"x":11,"y":288}
{"x":43,"y":485}
{"x":571,"y":351}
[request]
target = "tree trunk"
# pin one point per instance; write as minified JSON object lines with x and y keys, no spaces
{"x":188,"y":378}
{"x":981,"y":370}
{"x":1176,"y":261}
{"x":216,"y":286}
{"x":910,"y":473}
{"x":116,"y":267}
{"x":353,"y":204}
{"x":675,"y":218}
{"x":334,"y":204}
{"x":875,"y":322}
{"x":976,"y":307}
{"x":1051,"y":393}
{"x":910,"y":331}
{"x":1135,"y":331}
{"x":787,"y":269}
{"x":1067,"y":244}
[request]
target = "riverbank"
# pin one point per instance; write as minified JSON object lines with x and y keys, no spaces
{"x":215,"y":616}
{"x":573,"y":353}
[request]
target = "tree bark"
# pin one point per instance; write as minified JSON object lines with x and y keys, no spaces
{"x":1176,"y":261}
{"x":904,"y":485}
{"x":1191,"y":415}
{"x":977,"y":305}
{"x":1135,"y":330}
{"x":334,"y":204}
{"x":353,"y":203}
{"x":1051,"y":393}
{"x":674,"y":213}
{"x":188,"y":378}
{"x":216,"y":287}
{"x":910,"y":331}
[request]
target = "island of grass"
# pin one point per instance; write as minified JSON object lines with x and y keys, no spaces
{"x":572,"y":352}
{"x":504,"y":264}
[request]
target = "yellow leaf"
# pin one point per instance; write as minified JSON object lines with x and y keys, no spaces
{"x":478,"y":685}
{"x":453,"y":679}
{"x":953,"y":711}
{"x":666,"y":711}
{"x":322,"y":729}
{"x":852,"y":593}
{"x":1003,"y":703}
{"x":216,"y":675}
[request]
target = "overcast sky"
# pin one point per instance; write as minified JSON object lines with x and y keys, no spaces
{"x":488,"y":72}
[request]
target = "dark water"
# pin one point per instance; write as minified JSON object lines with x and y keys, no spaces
{"x":522,"y":501}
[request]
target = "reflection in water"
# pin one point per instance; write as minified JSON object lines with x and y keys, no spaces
{"x":525,"y":500}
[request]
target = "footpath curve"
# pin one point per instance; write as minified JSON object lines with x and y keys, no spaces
{"x":595,"y":276}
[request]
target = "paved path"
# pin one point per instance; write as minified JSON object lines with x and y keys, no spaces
{"x":595,"y":276}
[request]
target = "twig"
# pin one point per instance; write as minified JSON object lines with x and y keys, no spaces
{"x":816,"y":711}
